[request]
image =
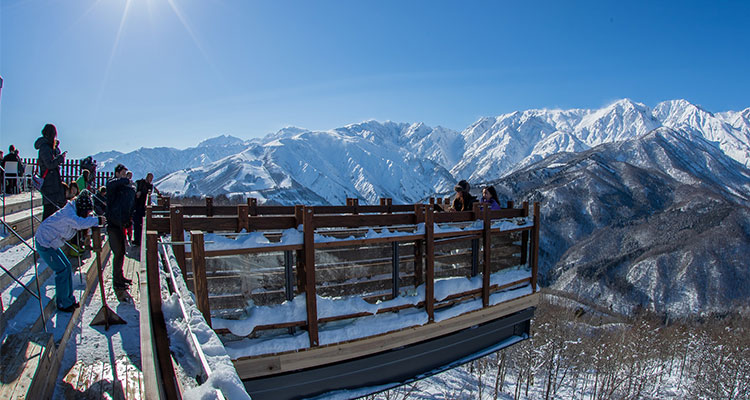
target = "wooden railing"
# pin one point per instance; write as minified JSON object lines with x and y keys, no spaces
{"x":414,"y":254}
{"x":70,"y":170}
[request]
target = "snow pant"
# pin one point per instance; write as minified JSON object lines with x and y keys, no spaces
{"x":116,"y":236}
{"x":56,"y":259}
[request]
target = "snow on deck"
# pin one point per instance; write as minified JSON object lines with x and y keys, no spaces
{"x":361,"y":327}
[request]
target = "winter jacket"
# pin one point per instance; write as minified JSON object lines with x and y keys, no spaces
{"x":120,"y":202}
{"x":49,"y":161}
{"x":61,"y":226}
{"x":493,"y":204}
{"x":463,"y":201}
{"x":143,"y":187}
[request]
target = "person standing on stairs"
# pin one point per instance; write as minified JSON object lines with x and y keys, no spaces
{"x":51,"y":236}
{"x":49,"y":160}
{"x":120,"y":203}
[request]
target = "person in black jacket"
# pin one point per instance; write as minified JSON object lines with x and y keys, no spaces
{"x":143,"y":188}
{"x":120,"y":201}
{"x":463,"y":200}
{"x":11,"y":182}
{"x":49,"y":160}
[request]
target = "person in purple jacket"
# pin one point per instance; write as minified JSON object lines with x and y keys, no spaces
{"x":489,"y":196}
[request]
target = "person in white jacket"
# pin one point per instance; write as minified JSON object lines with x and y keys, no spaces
{"x":50,"y":238}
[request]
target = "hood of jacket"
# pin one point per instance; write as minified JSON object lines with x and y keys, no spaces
{"x":41,"y":141}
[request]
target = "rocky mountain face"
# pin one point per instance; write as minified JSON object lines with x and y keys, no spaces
{"x":660,"y":222}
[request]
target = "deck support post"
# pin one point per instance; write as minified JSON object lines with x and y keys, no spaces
{"x":243,"y":218}
{"x":252,"y":204}
{"x":311,"y":297}
{"x":535,"y":248}
{"x":474,"y":257}
{"x":198,"y":250}
{"x":299,"y":215}
{"x":178,"y":235}
{"x":396,"y":262}
{"x":487,"y":247}
{"x":418,"y":247}
{"x":429,"y":230}
{"x":525,"y":236}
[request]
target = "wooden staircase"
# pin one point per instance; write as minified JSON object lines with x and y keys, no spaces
{"x":30,"y":357}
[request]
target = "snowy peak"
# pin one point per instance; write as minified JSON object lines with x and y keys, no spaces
{"x":621,"y":120}
{"x":222,"y":140}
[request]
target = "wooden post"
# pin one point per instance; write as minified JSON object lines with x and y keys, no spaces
{"x":418,"y":248}
{"x":525,"y":237}
{"x":209,"y":206}
{"x":243,"y":220}
{"x":159,"y":327}
{"x":355,"y":204}
{"x":178,"y":235}
{"x":149,"y":218}
{"x":389,"y":203}
{"x":311,"y":299}
{"x":487,"y":244}
{"x":535,"y":251}
{"x":252,"y":203}
{"x":511,"y":204}
{"x":299,"y":215}
{"x":396,"y":262}
{"x":429,"y":230}
{"x":382,"y":201}
{"x":200,"y":284}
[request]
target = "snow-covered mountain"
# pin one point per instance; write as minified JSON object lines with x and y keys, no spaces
{"x":412,"y":161}
{"x":164,"y":160}
{"x":661,"y":221}
{"x":641,"y":207}
{"x":368,"y":161}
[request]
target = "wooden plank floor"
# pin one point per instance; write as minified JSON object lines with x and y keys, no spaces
{"x":101,"y":379}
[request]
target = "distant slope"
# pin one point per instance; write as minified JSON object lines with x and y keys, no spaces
{"x":658,"y":221}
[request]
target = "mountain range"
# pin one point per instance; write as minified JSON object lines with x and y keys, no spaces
{"x":412,"y":161}
{"x":641,"y":208}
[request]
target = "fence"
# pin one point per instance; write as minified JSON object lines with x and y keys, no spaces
{"x":70,"y":170}
{"x":374,"y":268}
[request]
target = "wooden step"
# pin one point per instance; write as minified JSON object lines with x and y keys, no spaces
{"x":17,"y":270}
{"x":24,"y":357}
{"x":19,"y":202}
{"x":21,"y":223}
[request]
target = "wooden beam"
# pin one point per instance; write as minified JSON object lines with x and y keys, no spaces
{"x":310,"y":294}
{"x":487,"y":252}
{"x":429,"y":229}
{"x":525,"y":237}
{"x":209,"y":206}
{"x":535,"y":251}
{"x":299,"y":216}
{"x":252,"y":204}
{"x":163,"y":358}
{"x":199,"y":274}
{"x":243,"y":220}
{"x":177,"y":232}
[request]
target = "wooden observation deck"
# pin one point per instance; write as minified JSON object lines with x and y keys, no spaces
{"x":309,"y":300}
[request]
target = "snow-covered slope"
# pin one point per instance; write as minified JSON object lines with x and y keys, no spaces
{"x":367,"y":161}
{"x":411,"y":161}
{"x":659,"y":222}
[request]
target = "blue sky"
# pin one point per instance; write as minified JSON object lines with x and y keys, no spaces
{"x":120,"y":75}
